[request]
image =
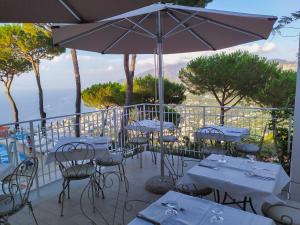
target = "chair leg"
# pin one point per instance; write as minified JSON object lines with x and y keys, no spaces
{"x":121,"y":176}
{"x":125,"y":178}
{"x":31,"y":210}
{"x":68,"y":189}
{"x":62,"y":197}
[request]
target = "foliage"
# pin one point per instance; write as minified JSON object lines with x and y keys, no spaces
{"x":103,"y":95}
{"x":229,"y":77}
{"x":286,"y":20}
{"x":144,"y":89}
{"x":279,"y":92}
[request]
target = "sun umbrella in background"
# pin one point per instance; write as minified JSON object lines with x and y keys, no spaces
{"x":64,"y":11}
{"x":164,"y":29}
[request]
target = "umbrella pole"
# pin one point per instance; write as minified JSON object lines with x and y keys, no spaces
{"x":160,"y":184}
{"x":161,"y":105}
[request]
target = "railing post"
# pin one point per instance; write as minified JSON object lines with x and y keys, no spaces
{"x":34,"y":154}
{"x":103,"y":122}
{"x":136,"y":113}
{"x":115,"y":127}
{"x":289,"y":132}
{"x":144,"y":111}
{"x":204,"y":116}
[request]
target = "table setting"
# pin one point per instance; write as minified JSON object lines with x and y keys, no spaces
{"x":175,"y":208}
{"x":240,"y":177}
{"x":150,"y":125}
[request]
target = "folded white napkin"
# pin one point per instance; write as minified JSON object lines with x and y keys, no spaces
{"x":264,"y":173}
{"x":155,"y":214}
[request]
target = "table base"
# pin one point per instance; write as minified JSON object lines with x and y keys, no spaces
{"x":242,"y":204}
{"x":159,"y":185}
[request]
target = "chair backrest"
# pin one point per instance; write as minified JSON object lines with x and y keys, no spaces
{"x":17,"y":185}
{"x":74,"y":153}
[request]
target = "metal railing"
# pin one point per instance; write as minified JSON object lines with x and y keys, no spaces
{"x":31,"y":138}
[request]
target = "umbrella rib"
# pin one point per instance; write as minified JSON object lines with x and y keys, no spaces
{"x":192,"y":32}
{"x":182,"y":22}
{"x":70,"y":10}
{"x":187,"y":28}
{"x":143,"y":28}
{"x":131,"y":29}
{"x":86,"y":33}
{"x":218,"y":23}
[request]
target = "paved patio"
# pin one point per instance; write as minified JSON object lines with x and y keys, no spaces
{"x":47,"y":209}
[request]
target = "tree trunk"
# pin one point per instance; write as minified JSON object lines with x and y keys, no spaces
{"x":129,"y":68}
{"x":13,"y":105}
{"x":36,"y":69}
{"x":78,"y":92}
{"x":222,"y":115}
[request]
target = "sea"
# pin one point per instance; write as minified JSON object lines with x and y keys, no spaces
{"x":57,"y":102}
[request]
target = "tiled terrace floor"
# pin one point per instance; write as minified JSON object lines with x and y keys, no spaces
{"x":47,"y":209}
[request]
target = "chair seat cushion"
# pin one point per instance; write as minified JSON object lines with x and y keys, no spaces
{"x":111,"y":160}
{"x":169,"y":138}
{"x":138,"y":140}
{"x":247,"y":148}
{"x":79,"y":171}
{"x":287,"y":213}
{"x":9,"y":204}
{"x":193,"y":189}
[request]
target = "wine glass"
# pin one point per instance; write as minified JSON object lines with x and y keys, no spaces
{"x":172,"y":208}
{"x":222,"y":159}
{"x":251,"y":158}
{"x":216,"y":217}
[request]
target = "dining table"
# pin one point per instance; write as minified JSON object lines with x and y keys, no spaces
{"x":101,"y":145}
{"x":194,"y":211}
{"x":250,"y":181}
{"x":229,"y":133}
{"x":150,"y":125}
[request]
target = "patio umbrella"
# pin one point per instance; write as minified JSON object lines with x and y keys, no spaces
{"x":165,"y":28}
{"x":64,"y":11}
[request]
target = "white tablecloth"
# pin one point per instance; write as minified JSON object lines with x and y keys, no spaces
{"x":232,"y":178}
{"x":6,"y":169}
{"x":150,"y":125}
{"x":101,"y":145}
{"x":232,"y":134}
{"x":198,"y":211}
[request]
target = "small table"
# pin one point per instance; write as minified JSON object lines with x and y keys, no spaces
{"x":150,"y":125}
{"x":101,"y":145}
{"x":231,"y":134}
{"x":5,"y":169}
{"x":196,"y":211}
{"x":234,"y":178}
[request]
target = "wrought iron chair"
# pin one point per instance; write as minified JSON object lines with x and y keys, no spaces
{"x":138,"y":137}
{"x":115,"y":158}
{"x":76,"y":163}
{"x":210,"y":140}
{"x":16,"y":189}
{"x":251,"y":145}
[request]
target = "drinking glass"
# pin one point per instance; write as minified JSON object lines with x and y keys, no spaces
{"x":222,"y":159}
{"x":216,"y":217}
{"x":251,"y":158}
{"x":172,"y":208}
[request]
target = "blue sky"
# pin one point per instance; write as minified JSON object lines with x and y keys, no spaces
{"x":94,"y":68}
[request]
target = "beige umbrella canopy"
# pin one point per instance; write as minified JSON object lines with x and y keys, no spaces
{"x":165,"y":28}
{"x":64,"y":11}
{"x":183,"y":29}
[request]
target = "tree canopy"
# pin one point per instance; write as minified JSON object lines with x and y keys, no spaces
{"x":103,"y":95}
{"x":10,"y":66}
{"x":228,"y":77}
{"x":110,"y":94}
{"x":144,"y":89}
